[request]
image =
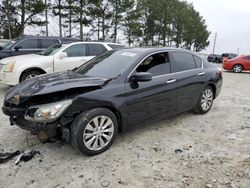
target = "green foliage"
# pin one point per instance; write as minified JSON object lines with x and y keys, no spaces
{"x":15,"y":15}
{"x":142,"y":22}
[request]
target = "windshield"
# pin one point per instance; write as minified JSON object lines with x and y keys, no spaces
{"x":110,"y":64}
{"x":8,"y":44}
{"x":52,"y":50}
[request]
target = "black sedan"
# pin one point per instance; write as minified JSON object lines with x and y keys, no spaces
{"x":119,"y":89}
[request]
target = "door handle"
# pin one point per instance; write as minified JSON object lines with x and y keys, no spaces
{"x":171,"y":81}
{"x":201,"y":73}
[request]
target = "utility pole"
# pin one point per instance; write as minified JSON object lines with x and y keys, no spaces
{"x":215,"y":38}
{"x":238,"y":50}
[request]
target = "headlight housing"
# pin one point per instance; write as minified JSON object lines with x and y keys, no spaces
{"x":9,"y":67}
{"x":48,"y":112}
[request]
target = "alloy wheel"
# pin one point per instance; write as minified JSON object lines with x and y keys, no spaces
{"x":237,"y":68}
{"x":98,"y":133}
{"x":207,"y":99}
{"x":30,"y":76}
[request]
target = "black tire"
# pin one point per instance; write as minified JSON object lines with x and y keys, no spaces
{"x":79,"y":125}
{"x":237,"y":68}
{"x":198,"y":107}
{"x":26,"y":75}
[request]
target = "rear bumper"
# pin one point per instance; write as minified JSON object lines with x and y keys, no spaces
{"x":219,"y":86}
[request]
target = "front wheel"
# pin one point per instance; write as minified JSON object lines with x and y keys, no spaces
{"x":94,"y":131}
{"x":237,"y":68}
{"x":29,"y":74}
{"x":205,"y":101}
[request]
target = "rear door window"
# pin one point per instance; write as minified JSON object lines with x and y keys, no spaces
{"x":182,"y":61}
{"x":95,"y":49}
{"x":157,"y":64}
{"x":45,"y":43}
{"x":28,"y":44}
{"x":76,"y":50}
{"x":198,"y":62}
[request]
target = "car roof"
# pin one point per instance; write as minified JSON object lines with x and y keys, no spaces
{"x":89,"y":42}
{"x":146,"y":49}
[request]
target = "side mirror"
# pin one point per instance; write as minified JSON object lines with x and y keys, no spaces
{"x":141,"y":77}
{"x":17,"y":48}
{"x":62,"y":55}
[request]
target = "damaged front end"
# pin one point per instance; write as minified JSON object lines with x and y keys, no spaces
{"x":44,"y":120}
{"x":38,"y":105}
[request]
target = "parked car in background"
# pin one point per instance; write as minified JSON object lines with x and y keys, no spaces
{"x":30,"y":45}
{"x":237,"y":64}
{"x":59,"y":57}
{"x":228,"y":56}
{"x":214,"y":58}
{"x":119,"y":89}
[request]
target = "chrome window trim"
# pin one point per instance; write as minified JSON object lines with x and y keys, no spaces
{"x":164,"y":51}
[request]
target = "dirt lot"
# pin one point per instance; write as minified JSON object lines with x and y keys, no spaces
{"x":215,"y":151}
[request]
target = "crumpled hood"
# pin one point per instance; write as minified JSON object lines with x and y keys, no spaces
{"x":52,"y":83}
{"x":27,"y":57}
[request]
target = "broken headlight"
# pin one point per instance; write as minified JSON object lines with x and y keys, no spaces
{"x":47,"y":112}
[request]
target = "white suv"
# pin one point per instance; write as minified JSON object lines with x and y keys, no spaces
{"x":59,"y":57}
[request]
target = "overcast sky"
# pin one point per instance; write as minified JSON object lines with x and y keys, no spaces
{"x":231,"y":20}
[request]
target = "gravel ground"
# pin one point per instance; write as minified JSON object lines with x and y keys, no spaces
{"x":214,"y":151}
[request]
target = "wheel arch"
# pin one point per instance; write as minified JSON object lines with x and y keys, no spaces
{"x":32,"y":69}
{"x":80,"y":109}
{"x":117,"y":114}
{"x":243,"y":68}
{"x":212,"y":85}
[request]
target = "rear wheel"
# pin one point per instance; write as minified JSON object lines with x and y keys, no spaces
{"x":94,"y":131}
{"x":237,"y":68}
{"x":205,"y":101}
{"x":29,"y":74}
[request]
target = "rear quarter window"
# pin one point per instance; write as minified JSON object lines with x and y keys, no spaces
{"x":95,"y":49}
{"x":198,"y":62}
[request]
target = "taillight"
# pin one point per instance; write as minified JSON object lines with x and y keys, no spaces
{"x":220,"y":70}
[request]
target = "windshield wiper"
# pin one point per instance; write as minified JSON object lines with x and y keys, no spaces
{"x":74,"y":69}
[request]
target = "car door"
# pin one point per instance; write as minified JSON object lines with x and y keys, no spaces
{"x":76,"y":55}
{"x":147,"y":100}
{"x":190,"y":78}
{"x":247,"y":62}
{"x":26,"y":46}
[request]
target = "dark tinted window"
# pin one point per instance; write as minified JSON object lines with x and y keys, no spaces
{"x":28,"y":44}
{"x":116,"y":46}
{"x":157,"y":64}
{"x":198,"y":62}
{"x":95,"y":49}
{"x":182,"y":61}
{"x":76,"y":50}
{"x":45,"y":43}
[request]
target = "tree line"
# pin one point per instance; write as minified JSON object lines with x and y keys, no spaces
{"x":143,"y":22}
